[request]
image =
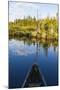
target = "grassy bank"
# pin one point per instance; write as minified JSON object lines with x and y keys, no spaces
{"x":48,"y":28}
{"x":31,"y":33}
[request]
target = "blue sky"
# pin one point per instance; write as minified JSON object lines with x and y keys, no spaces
{"x":19,"y":10}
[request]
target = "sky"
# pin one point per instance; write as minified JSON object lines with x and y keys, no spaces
{"x":17,"y":10}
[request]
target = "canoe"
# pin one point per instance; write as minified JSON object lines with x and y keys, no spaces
{"x":34,"y":78}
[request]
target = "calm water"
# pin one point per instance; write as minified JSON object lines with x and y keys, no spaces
{"x":24,"y":53}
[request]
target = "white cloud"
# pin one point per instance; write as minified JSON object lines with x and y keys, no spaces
{"x":19,"y":10}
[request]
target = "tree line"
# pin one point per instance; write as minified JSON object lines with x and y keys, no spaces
{"x":48,"y":27}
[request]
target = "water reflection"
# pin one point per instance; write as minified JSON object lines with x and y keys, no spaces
{"x":34,"y":77}
{"x":33,"y":56}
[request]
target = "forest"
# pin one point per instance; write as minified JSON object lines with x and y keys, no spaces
{"x":46,"y":28}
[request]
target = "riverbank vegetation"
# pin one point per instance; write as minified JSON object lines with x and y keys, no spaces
{"x":46,"y":28}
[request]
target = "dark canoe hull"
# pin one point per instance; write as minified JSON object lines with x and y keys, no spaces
{"x":34,"y":78}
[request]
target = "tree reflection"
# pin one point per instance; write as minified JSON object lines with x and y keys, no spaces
{"x":45,"y":47}
{"x":42,"y":42}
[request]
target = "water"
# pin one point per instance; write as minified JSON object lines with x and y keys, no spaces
{"x":23,"y":53}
